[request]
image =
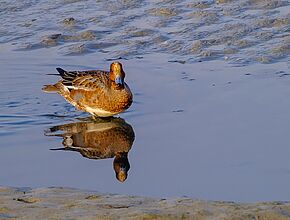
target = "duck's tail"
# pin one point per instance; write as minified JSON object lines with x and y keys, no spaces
{"x":50,"y":88}
{"x":63,"y":91}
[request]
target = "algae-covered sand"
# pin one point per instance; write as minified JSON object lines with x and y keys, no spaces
{"x":66,"y":203}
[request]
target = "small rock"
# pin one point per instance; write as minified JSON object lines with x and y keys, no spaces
{"x":69,"y":21}
{"x":27,"y":200}
{"x":93,"y":197}
{"x":51,"y":40}
{"x":178,"y":110}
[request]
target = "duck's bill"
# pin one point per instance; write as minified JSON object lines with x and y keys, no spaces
{"x":123,"y":169}
{"x":119,"y":81}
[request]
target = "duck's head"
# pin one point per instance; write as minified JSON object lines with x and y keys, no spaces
{"x":121,"y":166}
{"x":117,"y":75}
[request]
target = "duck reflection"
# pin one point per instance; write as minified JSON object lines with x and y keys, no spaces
{"x":99,"y":139}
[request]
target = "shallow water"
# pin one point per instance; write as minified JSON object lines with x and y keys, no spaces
{"x":208,"y":124}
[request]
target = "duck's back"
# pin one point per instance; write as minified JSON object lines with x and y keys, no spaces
{"x":84,"y":78}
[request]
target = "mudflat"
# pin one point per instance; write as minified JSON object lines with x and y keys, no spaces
{"x":67,"y":203}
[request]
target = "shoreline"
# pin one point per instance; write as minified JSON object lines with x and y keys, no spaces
{"x":68,"y":203}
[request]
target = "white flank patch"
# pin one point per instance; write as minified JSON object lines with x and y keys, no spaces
{"x":76,"y":88}
{"x":99,"y":112}
{"x":100,"y":126}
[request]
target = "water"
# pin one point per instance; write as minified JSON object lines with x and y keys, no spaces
{"x":211,"y":119}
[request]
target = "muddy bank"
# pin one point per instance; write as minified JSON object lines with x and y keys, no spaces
{"x":243,"y":31}
{"x":66,"y":203}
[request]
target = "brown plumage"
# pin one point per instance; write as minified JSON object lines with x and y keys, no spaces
{"x":111,"y":138}
{"x":101,"y":93}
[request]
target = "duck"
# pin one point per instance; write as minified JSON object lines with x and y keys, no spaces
{"x":98,"y":92}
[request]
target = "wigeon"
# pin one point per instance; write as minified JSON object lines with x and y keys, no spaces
{"x":100,"y":93}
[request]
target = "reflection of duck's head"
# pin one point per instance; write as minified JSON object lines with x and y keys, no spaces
{"x":121,"y":166}
{"x":105,"y":138}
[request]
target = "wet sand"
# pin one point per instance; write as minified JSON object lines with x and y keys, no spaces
{"x":240,"y":31}
{"x":67,"y":203}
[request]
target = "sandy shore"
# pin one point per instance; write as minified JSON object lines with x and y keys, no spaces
{"x":66,"y":203}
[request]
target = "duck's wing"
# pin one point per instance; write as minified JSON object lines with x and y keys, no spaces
{"x":91,"y":82}
{"x":70,"y":76}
